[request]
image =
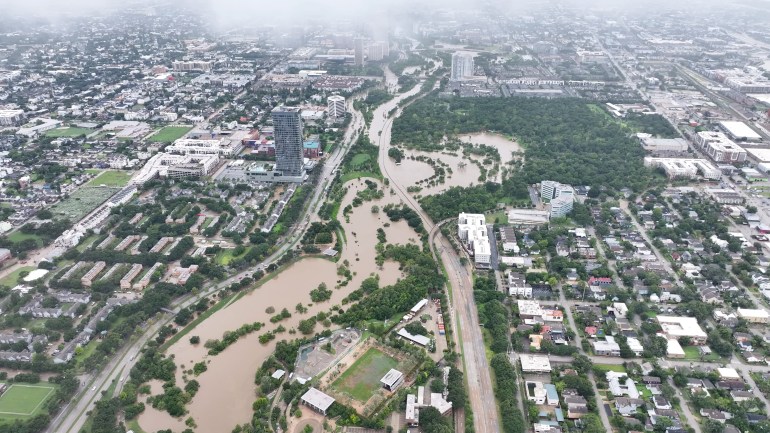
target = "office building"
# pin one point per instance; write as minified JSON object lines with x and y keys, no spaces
{"x":462,"y":66}
{"x":560,"y":197}
{"x":375,"y":52}
{"x":358,"y":51}
{"x":289,"y":140}
{"x":335,"y":106}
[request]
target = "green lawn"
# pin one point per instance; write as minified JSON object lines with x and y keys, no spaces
{"x":360,"y":159}
{"x":225,"y":256}
{"x":362,"y":379}
{"x":692,"y":353}
{"x":19,"y":236}
{"x":169,"y":133}
{"x":88,"y":350}
{"x":500,"y":217}
{"x":68,"y":132}
{"x":645,"y":393}
{"x":22,"y":401}
{"x":112,"y":178}
{"x":611,"y":367}
{"x":12,"y":279}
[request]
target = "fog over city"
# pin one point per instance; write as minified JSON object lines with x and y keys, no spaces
{"x":393,"y":216}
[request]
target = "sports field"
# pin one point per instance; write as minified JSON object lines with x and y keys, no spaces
{"x":111,"y":178}
{"x":168,"y":134}
{"x":23,"y":400}
{"x":362,"y":379}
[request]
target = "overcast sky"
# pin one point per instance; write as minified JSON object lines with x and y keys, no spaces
{"x":271,"y":12}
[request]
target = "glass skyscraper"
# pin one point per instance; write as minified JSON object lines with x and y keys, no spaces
{"x":287,"y":124}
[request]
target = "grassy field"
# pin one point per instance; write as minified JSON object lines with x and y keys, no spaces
{"x":692,"y":353}
{"x":611,"y":367}
{"x":224,"y":257}
{"x":68,"y":132}
{"x":168,"y":134}
{"x":362,"y":379}
{"x":81,"y":202}
{"x":12,"y":279}
{"x":112,"y":178}
{"x":18,"y":236}
{"x":22,"y":401}
{"x":359,"y":159}
{"x":500,"y":217}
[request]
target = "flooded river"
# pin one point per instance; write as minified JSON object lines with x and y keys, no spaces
{"x":227,"y":387}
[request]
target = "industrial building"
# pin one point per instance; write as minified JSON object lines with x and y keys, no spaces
{"x":739,"y":131}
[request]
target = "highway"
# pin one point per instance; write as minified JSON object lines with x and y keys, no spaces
{"x":465,"y":317}
{"x":73,"y":415}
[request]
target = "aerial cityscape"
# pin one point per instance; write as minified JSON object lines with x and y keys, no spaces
{"x":547,"y":216}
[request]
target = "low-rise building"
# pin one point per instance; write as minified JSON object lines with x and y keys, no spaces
{"x":754,"y":315}
{"x":535,"y":363}
{"x":317,"y":400}
{"x":392,"y":380}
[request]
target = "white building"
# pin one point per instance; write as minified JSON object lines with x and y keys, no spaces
{"x":392,"y":380}
{"x":11,"y":117}
{"x":182,"y":66}
{"x":317,"y":400}
{"x":535,"y":363}
{"x":462,"y":66}
{"x":189,"y":146}
{"x":336,"y":106}
{"x":754,"y":315}
{"x":720,"y":148}
{"x":684,"y":167}
{"x":739,"y":131}
{"x":561,"y":206}
{"x":472,"y":229}
{"x":560,"y":197}
{"x":653,"y":144}
{"x":676,"y":327}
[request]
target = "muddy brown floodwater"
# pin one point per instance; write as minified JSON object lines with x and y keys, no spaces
{"x":505,"y":146}
{"x":464,"y":171}
{"x":227,"y":388}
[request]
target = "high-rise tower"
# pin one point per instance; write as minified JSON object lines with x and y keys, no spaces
{"x":287,"y":123}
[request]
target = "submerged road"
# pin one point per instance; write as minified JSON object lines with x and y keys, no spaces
{"x":465,"y":317}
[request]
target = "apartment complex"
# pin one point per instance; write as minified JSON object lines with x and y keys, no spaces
{"x":472,"y":230}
